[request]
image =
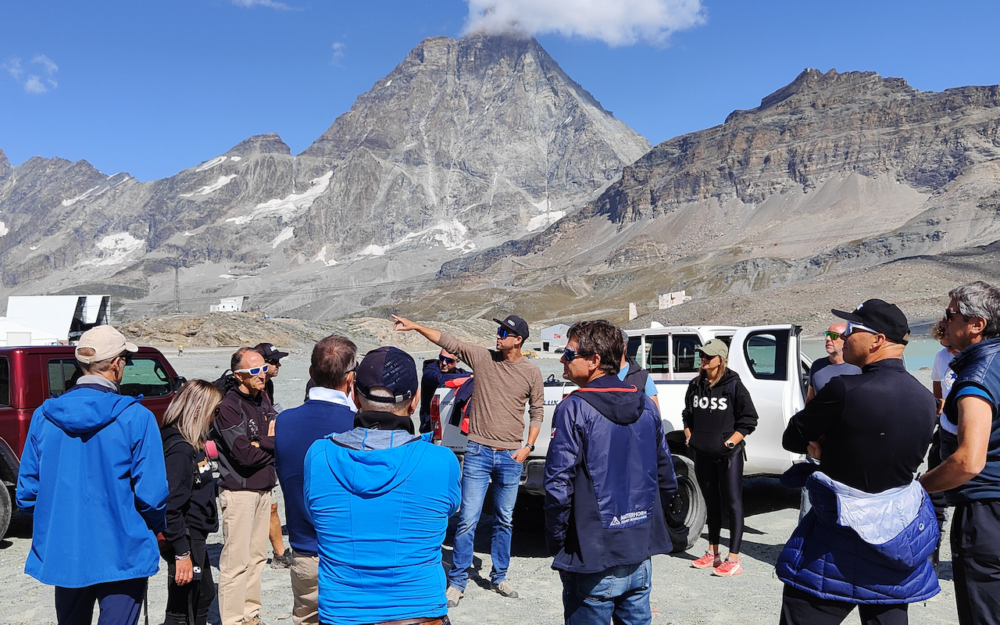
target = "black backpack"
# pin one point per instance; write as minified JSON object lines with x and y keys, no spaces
{"x":636,"y":375}
{"x":226,"y":381}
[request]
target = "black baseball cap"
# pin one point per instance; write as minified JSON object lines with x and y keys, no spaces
{"x":390,"y":368}
{"x":516,"y":325}
{"x":270,"y":352}
{"x":883,"y":317}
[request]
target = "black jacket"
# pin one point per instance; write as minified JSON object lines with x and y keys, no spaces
{"x":713,"y":413}
{"x":243,"y":420}
{"x":431,"y":380}
{"x":874,"y":428}
{"x":191,"y":511}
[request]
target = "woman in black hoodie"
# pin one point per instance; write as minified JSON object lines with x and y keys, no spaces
{"x":718,"y":415}
{"x":191,"y":511}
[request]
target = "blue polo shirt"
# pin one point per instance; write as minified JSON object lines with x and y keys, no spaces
{"x":325,"y":412}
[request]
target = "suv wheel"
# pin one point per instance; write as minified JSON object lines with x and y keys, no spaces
{"x":5,"y":509}
{"x":685,"y":513}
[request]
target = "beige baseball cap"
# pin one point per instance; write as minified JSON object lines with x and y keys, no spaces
{"x":715,"y":347}
{"x":106,"y":343}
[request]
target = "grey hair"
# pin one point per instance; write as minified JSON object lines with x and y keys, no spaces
{"x":398,"y":408}
{"x":979,"y":299}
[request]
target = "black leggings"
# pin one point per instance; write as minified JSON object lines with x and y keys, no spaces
{"x":721,"y":482}
{"x":188,"y":604}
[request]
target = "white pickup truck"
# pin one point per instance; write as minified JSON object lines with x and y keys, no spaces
{"x":770,"y":363}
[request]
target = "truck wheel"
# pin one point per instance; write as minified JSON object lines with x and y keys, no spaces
{"x":5,"y":509}
{"x":685,"y":513}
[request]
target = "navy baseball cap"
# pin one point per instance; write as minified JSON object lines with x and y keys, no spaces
{"x":390,"y":368}
{"x":880,"y":316}
{"x":270,"y":352}
{"x":516,"y":325}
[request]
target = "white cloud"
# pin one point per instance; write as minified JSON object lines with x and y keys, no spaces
{"x":47,"y":64}
{"x":13,"y":67}
{"x":34,"y":85}
{"x":270,"y":4}
{"x":615,"y":22}
{"x":338,"y":52}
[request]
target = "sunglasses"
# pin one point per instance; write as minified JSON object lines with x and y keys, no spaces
{"x":503,"y":332}
{"x":951,"y":314}
{"x":127,"y":357}
{"x":570,"y":355}
{"x":857,"y":327}
{"x":253,"y":370}
{"x":448,"y":361}
{"x":833,"y":336}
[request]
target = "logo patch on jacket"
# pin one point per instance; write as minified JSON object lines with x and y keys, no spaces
{"x":630,"y":519}
{"x":711,"y":403}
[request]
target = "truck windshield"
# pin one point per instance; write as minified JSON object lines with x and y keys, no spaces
{"x":145,"y":376}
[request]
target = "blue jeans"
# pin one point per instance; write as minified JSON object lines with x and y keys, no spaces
{"x":480,"y":466}
{"x":619,"y":594}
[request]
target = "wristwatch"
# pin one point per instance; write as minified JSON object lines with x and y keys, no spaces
{"x":730,"y":444}
{"x":530,"y":447}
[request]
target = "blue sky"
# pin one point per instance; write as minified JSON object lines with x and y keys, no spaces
{"x":152,"y":88}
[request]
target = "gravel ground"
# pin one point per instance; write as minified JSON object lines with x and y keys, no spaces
{"x":680,"y":594}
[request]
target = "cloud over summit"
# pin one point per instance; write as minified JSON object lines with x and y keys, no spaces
{"x":615,"y":22}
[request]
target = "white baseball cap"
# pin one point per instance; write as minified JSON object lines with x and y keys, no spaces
{"x":106,"y":343}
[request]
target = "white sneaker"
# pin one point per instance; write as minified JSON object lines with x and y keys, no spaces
{"x":454,"y":595}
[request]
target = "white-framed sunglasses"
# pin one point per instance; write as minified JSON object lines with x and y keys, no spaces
{"x":253,"y":370}
{"x":857,"y":327}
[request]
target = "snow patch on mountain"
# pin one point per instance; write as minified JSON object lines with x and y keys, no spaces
{"x":80,"y":197}
{"x":3,"y":229}
{"x":544,"y":220}
{"x":450,"y":234}
{"x":215,"y":186}
{"x":218,"y":160}
{"x":287,"y":233}
{"x":321,"y":258}
{"x":114,"y":249}
{"x":236,"y":159}
{"x":288,"y":206}
{"x":373,"y":250}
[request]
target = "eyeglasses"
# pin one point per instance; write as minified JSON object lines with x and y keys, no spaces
{"x":502,"y":332}
{"x":857,"y":327}
{"x":127,"y":357}
{"x":570,"y":355}
{"x":833,"y":336}
{"x":951,"y":314}
{"x":352,"y":369}
{"x":253,"y":370}
{"x":448,"y":361}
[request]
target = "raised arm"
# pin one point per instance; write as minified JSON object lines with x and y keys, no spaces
{"x":401,"y":324}
{"x":469,"y":354}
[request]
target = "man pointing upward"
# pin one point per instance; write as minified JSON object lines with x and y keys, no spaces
{"x":504,"y":382}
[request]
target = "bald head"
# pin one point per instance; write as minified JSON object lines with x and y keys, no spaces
{"x":835,"y":346}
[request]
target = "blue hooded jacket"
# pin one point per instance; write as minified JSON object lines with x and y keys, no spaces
{"x":380,"y":502}
{"x":93,"y":475}
{"x":606,"y":468}
{"x":858,"y":547}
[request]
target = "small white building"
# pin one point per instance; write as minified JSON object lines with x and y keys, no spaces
{"x":16,"y":335}
{"x":554,"y":337}
{"x":669,"y":300}
{"x":230,"y":304}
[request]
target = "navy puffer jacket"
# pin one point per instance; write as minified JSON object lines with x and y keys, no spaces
{"x":860,"y":547}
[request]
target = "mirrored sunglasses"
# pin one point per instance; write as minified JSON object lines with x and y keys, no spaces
{"x":857,"y":327}
{"x":951,"y":314}
{"x":833,"y":336}
{"x":569,"y":355}
{"x":446,"y":360}
{"x":253,"y":370}
{"x":503,"y":332}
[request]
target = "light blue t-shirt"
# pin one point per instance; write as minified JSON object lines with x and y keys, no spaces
{"x":650,"y":389}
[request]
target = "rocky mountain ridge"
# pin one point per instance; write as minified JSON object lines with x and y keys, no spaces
{"x":464,"y":145}
{"x":832,"y":173}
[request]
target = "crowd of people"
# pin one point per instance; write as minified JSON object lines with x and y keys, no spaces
{"x":367,"y":499}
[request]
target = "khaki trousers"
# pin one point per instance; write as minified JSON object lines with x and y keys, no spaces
{"x":305,"y":590}
{"x":246,"y":518}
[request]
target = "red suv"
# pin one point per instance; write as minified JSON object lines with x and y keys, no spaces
{"x":30,"y":375}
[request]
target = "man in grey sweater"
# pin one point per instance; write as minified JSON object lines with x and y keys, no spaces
{"x":504,"y":381}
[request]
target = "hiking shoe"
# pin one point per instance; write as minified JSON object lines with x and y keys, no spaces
{"x":708,"y":561}
{"x":253,"y":621}
{"x":454,"y":595}
{"x":505,"y":588}
{"x":729,"y":568}
{"x":283,"y":561}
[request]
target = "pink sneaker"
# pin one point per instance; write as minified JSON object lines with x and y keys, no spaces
{"x":729,"y":568}
{"x":708,"y":561}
